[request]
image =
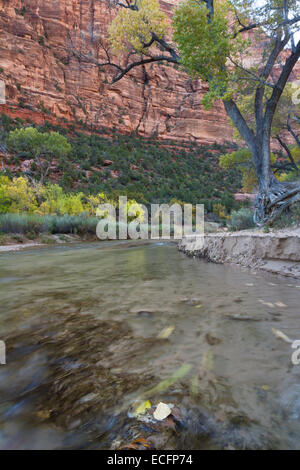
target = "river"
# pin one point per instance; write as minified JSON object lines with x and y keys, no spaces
{"x":93,"y":329}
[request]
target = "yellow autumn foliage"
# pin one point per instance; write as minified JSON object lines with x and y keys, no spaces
{"x":19,"y":196}
{"x":134,"y":29}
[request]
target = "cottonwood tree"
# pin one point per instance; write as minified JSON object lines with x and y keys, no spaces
{"x":287,"y":118}
{"x":285,"y":129}
{"x":210,"y":40}
{"x":43,"y":147}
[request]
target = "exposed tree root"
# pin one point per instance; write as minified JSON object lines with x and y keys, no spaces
{"x":270,"y":205}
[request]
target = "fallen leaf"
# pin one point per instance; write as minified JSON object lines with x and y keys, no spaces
{"x":282,"y":336}
{"x":162,"y":411}
{"x":88,"y":397}
{"x":165,"y":384}
{"x":142,"y":408}
{"x":194,"y":385}
{"x":208,"y":360}
{"x":138,"y":444}
{"x":212,"y":340}
{"x":267,"y":304}
{"x":43,"y":414}
{"x":280,"y":304}
{"x":166,"y":332}
{"x":266,"y":388}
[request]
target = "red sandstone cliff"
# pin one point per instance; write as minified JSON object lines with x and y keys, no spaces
{"x":36,"y":37}
{"x":40,"y":71}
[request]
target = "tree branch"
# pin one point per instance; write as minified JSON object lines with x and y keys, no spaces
{"x":142,"y":62}
{"x":288,"y":152}
{"x":292,"y":132}
{"x":239,"y":121}
{"x":260,"y":91}
{"x":280,"y":85}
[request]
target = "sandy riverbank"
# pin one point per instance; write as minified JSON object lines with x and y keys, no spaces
{"x":44,"y":240}
{"x":18,"y":246}
{"x":277,"y":252}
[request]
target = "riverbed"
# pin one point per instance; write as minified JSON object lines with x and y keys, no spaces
{"x":91,"y":330}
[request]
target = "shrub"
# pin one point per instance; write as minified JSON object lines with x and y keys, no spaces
{"x":289,"y":218}
{"x":242,"y":219}
{"x":42,"y":146}
{"x":34,"y":224}
{"x":20,"y":223}
{"x":149,"y":171}
{"x":17,"y":195}
{"x":70,"y":224}
{"x":219,"y":210}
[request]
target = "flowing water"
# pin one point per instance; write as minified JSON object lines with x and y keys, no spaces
{"x":93,"y":329}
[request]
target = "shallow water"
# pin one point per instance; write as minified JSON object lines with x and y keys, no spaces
{"x":81,"y":325}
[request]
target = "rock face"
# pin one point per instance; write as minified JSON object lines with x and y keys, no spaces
{"x":277,"y":252}
{"x":37,"y":40}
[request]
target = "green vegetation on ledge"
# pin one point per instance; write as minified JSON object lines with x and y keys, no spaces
{"x":146,"y":170}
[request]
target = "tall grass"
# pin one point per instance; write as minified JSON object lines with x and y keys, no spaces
{"x":35,"y":224}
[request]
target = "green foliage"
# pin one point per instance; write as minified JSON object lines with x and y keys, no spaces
{"x":19,"y":223}
{"x":133,"y":28}
{"x":289,"y":218}
{"x":4,"y":198}
{"x":241,"y":160}
{"x":203,"y":45}
{"x":17,"y":196}
{"x":55,"y":201}
{"x":41,"y":40}
{"x":286,"y":107}
{"x":69,"y":224}
{"x":148,"y":171}
{"x":295,"y":151}
{"x":21,"y":11}
{"x":34,"y":224}
{"x":242,"y":219}
{"x":219,"y":210}
{"x":37,"y":144}
{"x":206,"y":46}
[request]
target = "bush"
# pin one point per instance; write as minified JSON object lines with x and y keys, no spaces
{"x":242,"y":219}
{"x":20,"y":223}
{"x":70,"y":224}
{"x":148,"y":171}
{"x":289,"y":218}
{"x":35,"y":224}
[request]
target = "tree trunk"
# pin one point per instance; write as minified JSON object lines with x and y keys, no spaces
{"x":274,"y":196}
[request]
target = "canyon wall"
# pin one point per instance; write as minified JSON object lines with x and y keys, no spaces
{"x":44,"y":79}
{"x":40,"y":42}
